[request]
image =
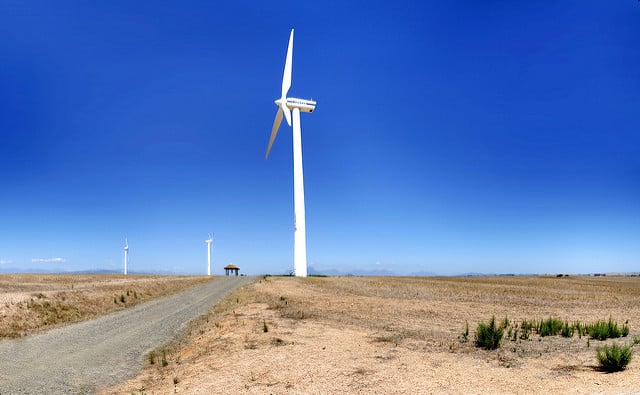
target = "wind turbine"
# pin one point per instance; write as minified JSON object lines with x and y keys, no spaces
{"x":126,"y":254}
{"x":209,"y":241}
{"x":286,"y":105}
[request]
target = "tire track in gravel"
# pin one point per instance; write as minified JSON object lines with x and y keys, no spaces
{"x":87,"y":356}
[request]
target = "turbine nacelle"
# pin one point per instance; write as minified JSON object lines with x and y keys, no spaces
{"x":302,"y":104}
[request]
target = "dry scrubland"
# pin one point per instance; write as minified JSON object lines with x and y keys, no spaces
{"x":396,"y":335}
{"x":32,"y":302}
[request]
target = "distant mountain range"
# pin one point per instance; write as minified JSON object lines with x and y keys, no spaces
{"x":366,"y":272}
{"x":8,"y":270}
{"x":390,"y":273}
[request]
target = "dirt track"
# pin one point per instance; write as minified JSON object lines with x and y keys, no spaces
{"x":85,"y":357}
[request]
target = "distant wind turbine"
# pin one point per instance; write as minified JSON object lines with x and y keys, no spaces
{"x":285,"y":105}
{"x":126,"y":254}
{"x":209,"y":241}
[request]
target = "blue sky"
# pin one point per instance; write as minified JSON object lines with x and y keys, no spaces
{"x":449,"y":137}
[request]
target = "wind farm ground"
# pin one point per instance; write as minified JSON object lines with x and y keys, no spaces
{"x":374,"y":335}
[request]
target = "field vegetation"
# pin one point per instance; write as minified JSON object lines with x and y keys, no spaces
{"x":33,"y":302}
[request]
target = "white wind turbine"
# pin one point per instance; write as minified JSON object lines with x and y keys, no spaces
{"x":286,"y":105}
{"x":126,"y":255}
{"x":209,"y":241}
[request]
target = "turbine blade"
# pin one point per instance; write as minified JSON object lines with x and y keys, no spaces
{"x":287,"y":113}
{"x":286,"y":77}
{"x":274,"y":131}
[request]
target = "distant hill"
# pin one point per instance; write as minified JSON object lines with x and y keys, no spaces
{"x":356,"y":272}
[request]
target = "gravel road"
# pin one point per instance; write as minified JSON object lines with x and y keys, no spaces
{"x":84,"y":357}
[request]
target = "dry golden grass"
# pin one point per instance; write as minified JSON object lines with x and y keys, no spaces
{"x":32,"y":302}
{"x":397,"y":335}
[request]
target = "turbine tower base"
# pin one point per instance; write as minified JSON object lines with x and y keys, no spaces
{"x":300,"y":239}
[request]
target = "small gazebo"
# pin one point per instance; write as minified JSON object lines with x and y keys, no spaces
{"x":231,"y":269}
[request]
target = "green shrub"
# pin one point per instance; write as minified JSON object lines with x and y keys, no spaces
{"x":602,"y":330}
{"x":488,"y":336}
{"x":614,"y":358}
{"x":624,"y":331}
{"x":550,"y":327}
{"x":567,"y":331}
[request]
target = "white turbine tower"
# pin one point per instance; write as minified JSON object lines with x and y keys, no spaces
{"x":286,"y":105}
{"x":209,"y":241}
{"x":126,"y":255}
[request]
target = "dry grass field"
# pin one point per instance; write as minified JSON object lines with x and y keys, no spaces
{"x":373,"y":335}
{"x":32,"y":302}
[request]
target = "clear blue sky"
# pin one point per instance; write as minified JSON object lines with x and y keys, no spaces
{"x":449,"y":136}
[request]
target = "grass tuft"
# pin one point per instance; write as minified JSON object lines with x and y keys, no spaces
{"x":164,"y":358}
{"x":526,"y":327}
{"x":464,"y":336}
{"x":567,"y":330}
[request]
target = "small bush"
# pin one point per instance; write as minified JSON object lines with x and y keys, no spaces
{"x":550,"y":327}
{"x":614,"y":358}
{"x":122,"y":298}
{"x":488,"y":336}
{"x":265,"y":328}
{"x":624,"y":331}
{"x":604,"y":330}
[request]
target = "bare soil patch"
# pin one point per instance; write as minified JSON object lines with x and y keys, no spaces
{"x":397,"y":335}
{"x":32,"y":302}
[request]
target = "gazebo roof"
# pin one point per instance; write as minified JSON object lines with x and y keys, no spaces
{"x":231,"y":266}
